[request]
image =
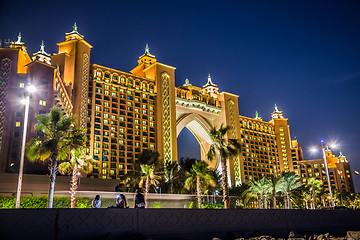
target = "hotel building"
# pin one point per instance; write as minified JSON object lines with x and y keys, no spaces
{"x":125,"y":113}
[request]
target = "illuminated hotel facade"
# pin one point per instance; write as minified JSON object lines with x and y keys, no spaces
{"x":126,"y":113}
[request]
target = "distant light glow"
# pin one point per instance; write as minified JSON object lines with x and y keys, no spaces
{"x":23,"y":101}
{"x":31,"y":89}
{"x":333,"y":145}
{"x":322,"y":141}
{"x":313,"y":149}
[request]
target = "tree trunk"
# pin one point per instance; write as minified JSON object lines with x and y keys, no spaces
{"x":265,"y":202}
{"x":313,"y":198}
{"x":53,"y":171}
{"x":274,"y":198}
{"x":74,"y":184}
{"x":147,"y":186}
{"x":260,"y":203}
{"x":171,"y":187}
{"x":288,"y":200}
{"x":226,"y":198}
{"x":198,"y":191}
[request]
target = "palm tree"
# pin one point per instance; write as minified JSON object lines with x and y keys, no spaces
{"x":306,"y":196}
{"x":149,"y":164}
{"x":202,"y":175}
{"x":275,"y":185}
{"x":133,"y":178}
{"x":314,"y":185}
{"x":259,"y":189}
{"x":291,"y":181}
{"x":171,"y":173}
{"x":57,"y":135}
{"x":224,"y":149}
{"x":149,"y":178}
{"x":79,"y":161}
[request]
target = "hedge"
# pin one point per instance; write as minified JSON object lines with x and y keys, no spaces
{"x":41,"y":202}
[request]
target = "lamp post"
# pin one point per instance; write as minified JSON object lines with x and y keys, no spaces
{"x":29,"y":89}
{"x":327,"y":172}
{"x":157,"y":188}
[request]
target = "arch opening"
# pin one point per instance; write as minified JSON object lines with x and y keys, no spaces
{"x":199,"y":128}
{"x":187,"y":145}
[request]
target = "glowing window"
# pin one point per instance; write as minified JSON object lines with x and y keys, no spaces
{"x":42,"y":103}
{"x":18,"y":124}
{"x":22,"y":85}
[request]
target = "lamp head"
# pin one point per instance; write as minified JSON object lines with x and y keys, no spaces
{"x":322,"y":141}
{"x":31,"y":89}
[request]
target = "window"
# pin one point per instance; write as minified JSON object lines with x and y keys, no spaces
{"x":18,"y":124}
{"x":22,"y":85}
{"x":42,"y":103}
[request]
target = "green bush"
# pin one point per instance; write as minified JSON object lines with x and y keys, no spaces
{"x":212,"y":206}
{"x":41,"y":202}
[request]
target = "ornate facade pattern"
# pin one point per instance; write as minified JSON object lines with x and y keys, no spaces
{"x":166,"y":121}
{"x":84,"y":90}
{"x":4,"y":75}
{"x":237,"y":169}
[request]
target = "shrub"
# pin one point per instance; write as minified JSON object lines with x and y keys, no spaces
{"x":41,"y":202}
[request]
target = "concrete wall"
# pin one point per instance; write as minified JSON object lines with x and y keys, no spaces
{"x":166,"y":223}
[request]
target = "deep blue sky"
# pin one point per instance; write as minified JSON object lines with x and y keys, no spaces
{"x":302,"y":55}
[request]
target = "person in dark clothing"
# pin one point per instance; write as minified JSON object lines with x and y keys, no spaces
{"x":121,"y":202}
{"x":139,"y":200}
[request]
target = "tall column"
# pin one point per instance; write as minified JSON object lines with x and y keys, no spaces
{"x":230,"y":117}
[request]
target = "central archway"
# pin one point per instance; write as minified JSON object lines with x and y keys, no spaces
{"x":200,"y":128}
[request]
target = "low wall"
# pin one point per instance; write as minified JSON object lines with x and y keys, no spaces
{"x":165,"y":223}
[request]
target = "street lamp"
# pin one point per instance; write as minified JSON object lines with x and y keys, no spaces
{"x":323,"y":147}
{"x":216,"y":192}
{"x":157,"y":188}
{"x":29,"y":89}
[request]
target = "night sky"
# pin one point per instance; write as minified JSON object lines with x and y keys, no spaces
{"x":303,"y":56}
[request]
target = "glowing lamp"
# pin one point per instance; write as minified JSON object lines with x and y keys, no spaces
{"x":31,"y":89}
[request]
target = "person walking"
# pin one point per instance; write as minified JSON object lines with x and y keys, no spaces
{"x":139,"y":200}
{"x":96,"y":203}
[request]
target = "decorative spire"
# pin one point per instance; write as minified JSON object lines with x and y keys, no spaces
{"x":42,"y":47}
{"x":257,"y":116}
{"x":277,"y":113}
{"x":341,"y":155}
{"x":18,"y":40}
{"x":209,"y":82}
{"x":187,"y":82}
{"x":147,"y":52}
{"x":74,"y":31}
